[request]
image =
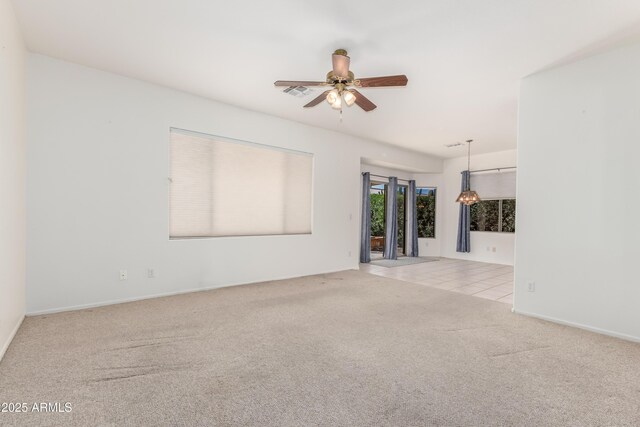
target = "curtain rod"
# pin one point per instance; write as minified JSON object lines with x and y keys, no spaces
{"x":493,"y":169}
{"x":387,"y":177}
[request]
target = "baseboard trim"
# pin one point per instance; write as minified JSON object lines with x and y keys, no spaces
{"x":13,"y":333}
{"x":168,"y":294}
{"x":473,"y":259}
{"x":579,"y":326}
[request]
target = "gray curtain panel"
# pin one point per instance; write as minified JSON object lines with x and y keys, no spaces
{"x":412,"y":220}
{"x":464,"y":220}
{"x":391,"y":220}
{"x":365,"y":232}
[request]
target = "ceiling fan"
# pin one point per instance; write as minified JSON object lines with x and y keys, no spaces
{"x":343,"y":84}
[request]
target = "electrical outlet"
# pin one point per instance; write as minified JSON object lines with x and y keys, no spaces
{"x":123,"y":274}
{"x":493,"y":249}
{"x":531,"y":286}
{"x":151,"y":273}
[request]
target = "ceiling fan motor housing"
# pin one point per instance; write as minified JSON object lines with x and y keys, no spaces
{"x":333,"y":79}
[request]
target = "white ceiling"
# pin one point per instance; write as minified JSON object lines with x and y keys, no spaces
{"x":463,"y":58}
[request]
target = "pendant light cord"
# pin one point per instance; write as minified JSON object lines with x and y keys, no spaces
{"x":469,"y":164}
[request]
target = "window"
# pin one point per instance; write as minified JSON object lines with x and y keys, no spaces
{"x":223,"y":187}
{"x":508,"y":216}
{"x":426,"y":207}
{"x":497,"y":210}
{"x":494,"y":215}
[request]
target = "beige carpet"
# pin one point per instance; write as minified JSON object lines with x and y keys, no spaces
{"x":345,"y":349}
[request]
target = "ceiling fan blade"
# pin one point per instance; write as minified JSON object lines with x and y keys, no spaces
{"x":318,"y":99}
{"x":294,"y":83}
{"x":340,"y":64}
{"x":362,"y":101}
{"x":400,"y":80}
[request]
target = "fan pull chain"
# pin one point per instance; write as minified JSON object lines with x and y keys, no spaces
{"x":341,"y":115}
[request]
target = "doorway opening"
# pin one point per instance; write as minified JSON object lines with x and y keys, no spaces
{"x":378,"y":197}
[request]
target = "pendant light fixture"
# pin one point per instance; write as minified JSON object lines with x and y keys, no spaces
{"x":468,"y":196}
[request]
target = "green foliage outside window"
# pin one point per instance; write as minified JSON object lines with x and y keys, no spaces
{"x":401,"y":218}
{"x":377,"y":214}
{"x":426,"y":206}
{"x":494,"y":215}
{"x":485,"y":215}
{"x":509,"y":216}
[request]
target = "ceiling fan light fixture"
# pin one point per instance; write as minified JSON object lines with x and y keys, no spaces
{"x":338,"y":79}
{"x":349,"y":98}
{"x":333,"y":96}
{"x":337,"y":104}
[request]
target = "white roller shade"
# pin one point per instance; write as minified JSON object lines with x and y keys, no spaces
{"x":494,"y":185}
{"x":221,"y":187}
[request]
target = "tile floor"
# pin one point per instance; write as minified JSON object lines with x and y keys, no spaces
{"x":490,"y":281}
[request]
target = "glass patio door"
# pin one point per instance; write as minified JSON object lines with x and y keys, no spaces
{"x":402,"y":219}
{"x":378,"y":194}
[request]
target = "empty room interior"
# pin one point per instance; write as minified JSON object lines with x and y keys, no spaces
{"x":343,"y":213}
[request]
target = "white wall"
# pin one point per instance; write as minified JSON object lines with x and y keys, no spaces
{"x":97,"y":191}
{"x":12,"y":176}
{"x":502,"y":242}
{"x":577,"y":214}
